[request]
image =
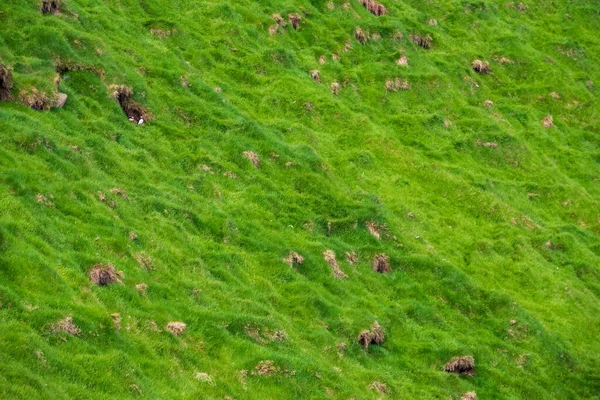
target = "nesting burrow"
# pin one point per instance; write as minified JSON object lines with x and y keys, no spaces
{"x":374,"y":336}
{"x":374,"y":7}
{"x":104,"y":275}
{"x":422,"y":41}
{"x":329,"y":256}
{"x":481,"y":67}
{"x":381,"y":264}
{"x":461,"y":365}
{"x":50,"y":7}
{"x":6,"y":83}
{"x":132,"y":109}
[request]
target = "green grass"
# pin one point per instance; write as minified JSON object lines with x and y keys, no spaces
{"x":477,"y":236}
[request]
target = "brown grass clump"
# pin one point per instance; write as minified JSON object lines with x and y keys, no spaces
{"x":489,"y":145}
{"x":361,"y":36}
{"x":555,"y":95}
{"x":265,"y":368}
{"x":176,"y":328}
{"x":144,"y":260}
{"x":422,"y":41}
{"x":295,"y":20}
{"x":351,"y":257}
{"x":481,"y":67}
{"x":393,"y":85}
{"x":335,"y":88}
{"x":315,"y":75}
{"x":141,"y":288}
{"x":374,"y":7}
{"x":104,"y":275}
{"x":6,"y":83}
{"x":329,"y":256}
{"x":488,"y":104}
{"x":50,"y":7}
{"x":403,"y":61}
{"x":432,"y":22}
{"x":253,"y":157}
{"x":379,"y":387}
{"x":374,"y":228}
{"x":293,"y":259}
{"x":469,"y":396}
{"x":132,"y":109}
{"x":116,"y":317}
{"x":381,"y":264}
{"x":374,"y":336}
{"x":66,"y":326}
{"x":397,"y":36}
{"x":460,"y":365}
{"x":35,"y":100}
{"x":548,"y":121}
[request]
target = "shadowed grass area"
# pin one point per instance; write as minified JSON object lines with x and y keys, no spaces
{"x":488,"y":219}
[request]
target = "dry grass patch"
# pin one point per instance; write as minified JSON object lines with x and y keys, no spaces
{"x":295,"y":20}
{"x":50,"y":7}
{"x":176,"y":328}
{"x":481,"y":67}
{"x":116,"y":317}
{"x":144,"y":260}
{"x":35,"y":99}
{"x":381,"y":264}
{"x":374,"y":336}
{"x":65,"y":325}
{"x":253,"y":157}
{"x":351,"y":257}
{"x":548,"y":121}
{"x":104,"y":275}
{"x":206,"y":378}
{"x":488,"y":104}
{"x":393,"y":85}
{"x":422,"y":41}
{"x":265,"y":368}
{"x":469,"y":396}
{"x":379,"y":387}
{"x":374,"y":7}
{"x":293,"y":259}
{"x":460,"y":365}
{"x":403,"y":61}
{"x":361,"y":36}
{"x":489,"y":145}
{"x":315,"y":75}
{"x":335,"y":88}
{"x":6,"y":83}
{"x":329,"y":256}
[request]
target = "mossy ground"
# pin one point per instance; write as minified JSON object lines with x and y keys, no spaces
{"x":477,"y":236}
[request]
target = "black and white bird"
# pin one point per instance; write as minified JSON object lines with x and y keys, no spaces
{"x":141,"y":121}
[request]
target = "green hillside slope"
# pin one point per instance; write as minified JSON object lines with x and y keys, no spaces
{"x":293,"y":186}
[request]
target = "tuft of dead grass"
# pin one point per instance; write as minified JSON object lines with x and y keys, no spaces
{"x":293,"y":259}
{"x":335,"y":88}
{"x":206,"y":378}
{"x":66,"y":325}
{"x":50,"y":7}
{"x":379,"y":387}
{"x":361,"y":36}
{"x":253,"y":157}
{"x":315,"y":75}
{"x":6,"y":83}
{"x":104,"y":275}
{"x":176,"y":328}
{"x":374,"y":7}
{"x":374,"y":336}
{"x":489,"y":145}
{"x":403,"y":61}
{"x":35,"y":99}
{"x":265,"y":368}
{"x":469,"y":396}
{"x":141,"y":288}
{"x":351,"y":257}
{"x":393,"y":85}
{"x":295,"y":20}
{"x":116,"y":317}
{"x":488,"y":104}
{"x":144,"y":260}
{"x":548,"y":121}
{"x":329,"y":256}
{"x":424,"y":42}
{"x":381,"y":264}
{"x":481,"y":67}
{"x":460,"y":365}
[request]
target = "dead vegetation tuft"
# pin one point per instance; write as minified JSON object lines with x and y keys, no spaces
{"x":265,"y":368}
{"x":460,"y":365}
{"x":374,"y":336}
{"x":176,"y":328}
{"x":206,"y":378}
{"x":132,"y":109}
{"x":35,"y":99}
{"x":6,"y":83}
{"x":295,"y":20}
{"x":379,"y":387}
{"x":253,"y":157}
{"x":393,"y":85}
{"x":422,"y":41}
{"x":469,"y":396}
{"x":144,"y":260}
{"x":548,"y":121}
{"x":335,"y":88}
{"x":481,"y":67}
{"x":488,"y":104}
{"x":361,"y":36}
{"x":403,"y":61}
{"x":141,"y":288}
{"x":555,"y":95}
{"x":293,"y":259}
{"x":116,"y":317}
{"x":50,"y":7}
{"x":374,"y":7}
{"x":489,"y":145}
{"x":329,"y":256}
{"x":381,"y":264}
{"x":66,"y":326}
{"x":315,"y":75}
{"x":265,"y":335}
{"x":351,"y":257}
{"x":375,"y":228}
{"x":104,"y":275}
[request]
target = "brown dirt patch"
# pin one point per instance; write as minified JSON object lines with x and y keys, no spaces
{"x":6,"y":83}
{"x":460,"y":365}
{"x":104,"y":275}
{"x":50,"y":7}
{"x":35,"y":99}
{"x":329,"y":256}
{"x":176,"y":328}
{"x":381,"y":264}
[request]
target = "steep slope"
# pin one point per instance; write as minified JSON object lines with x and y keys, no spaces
{"x":480,"y":190}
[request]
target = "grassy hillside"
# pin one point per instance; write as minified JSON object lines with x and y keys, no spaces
{"x":480,"y":190}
